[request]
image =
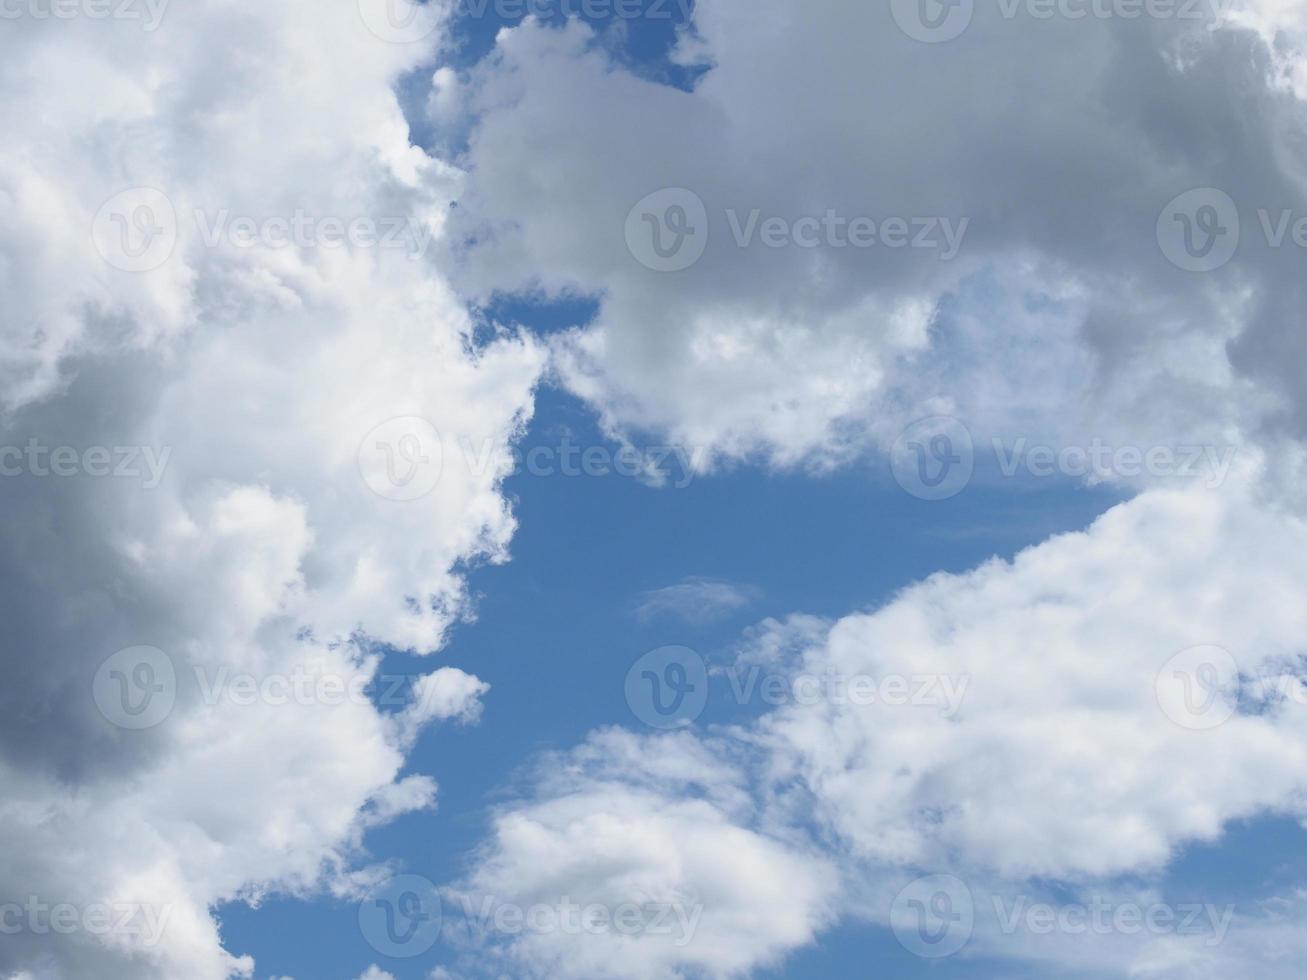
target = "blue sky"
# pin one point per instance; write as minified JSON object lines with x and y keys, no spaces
{"x":900,"y":565}
{"x":558,"y":627}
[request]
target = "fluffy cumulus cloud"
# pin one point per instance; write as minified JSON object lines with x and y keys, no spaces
{"x":217,"y":360}
{"x":1054,"y":312}
{"x":1043,"y":730}
{"x":1064,"y":317}
{"x":1076,"y":754}
{"x":221,"y":283}
{"x":1050,"y":764}
{"x":640,"y":858}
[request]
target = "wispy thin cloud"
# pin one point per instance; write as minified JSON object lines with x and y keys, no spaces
{"x":696,"y":600}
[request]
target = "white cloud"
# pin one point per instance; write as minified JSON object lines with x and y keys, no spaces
{"x":1059,"y":318}
{"x":262,"y":370}
{"x":262,"y":552}
{"x":640,"y":858}
{"x":1060,"y":764}
{"x":696,"y":600}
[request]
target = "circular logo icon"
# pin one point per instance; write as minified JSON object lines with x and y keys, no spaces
{"x":400,"y":21}
{"x":667,"y":231}
{"x":933,"y":916}
{"x":932,"y":21}
{"x":136,"y":688}
{"x":1199,"y":230}
{"x":136,"y":231}
{"x":668,"y":687}
{"x":402,"y":459}
{"x":1198,"y":688}
{"x":933,"y":458}
{"x":401,"y":917}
